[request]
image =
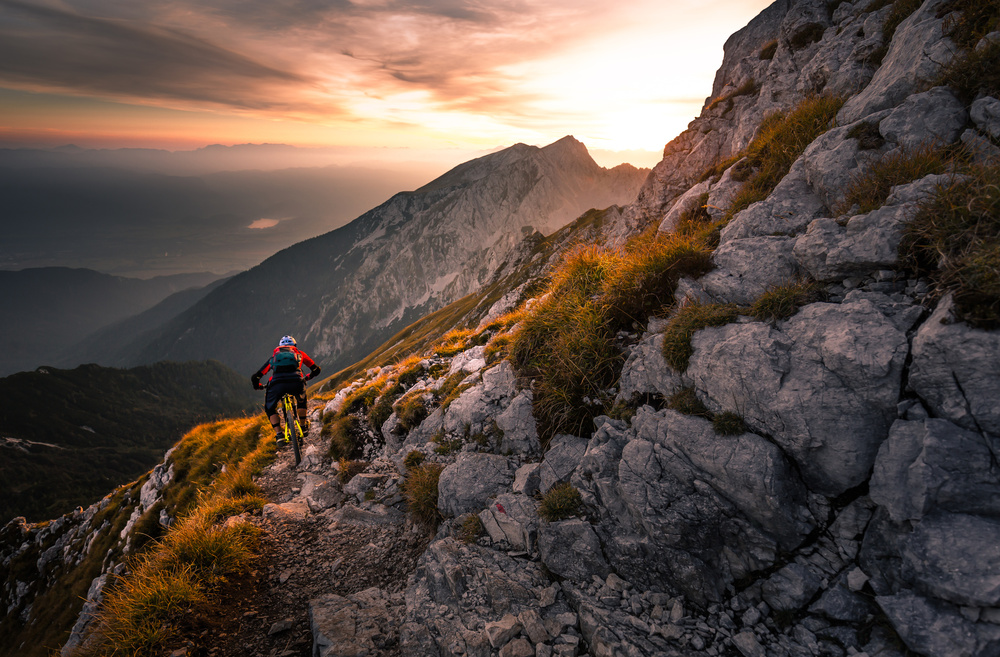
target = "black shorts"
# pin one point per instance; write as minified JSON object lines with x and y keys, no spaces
{"x":278,"y":389}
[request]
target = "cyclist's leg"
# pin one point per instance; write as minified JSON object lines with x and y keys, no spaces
{"x":271,"y":399}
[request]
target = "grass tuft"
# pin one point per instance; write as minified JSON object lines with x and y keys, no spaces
{"x":346,"y":434}
{"x":421,"y":490}
{"x":783,"y":301}
{"x":677,"y":348}
{"x":870,"y":189}
{"x":748,"y":88}
{"x":471,"y":529}
{"x":182,"y":570}
{"x":780,"y":139}
{"x":567,"y":344}
{"x":955,"y":239}
{"x":350,"y":469}
{"x":561,"y":502}
{"x":728,"y":423}
{"x":686,"y":401}
{"x":410,"y":411}
{"x":413,"y":459}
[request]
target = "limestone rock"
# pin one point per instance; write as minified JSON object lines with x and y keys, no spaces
{"x":954,"y":371}
{"x":564,"y":455}
{"x":792,"y":384}
{"x":985,"y":114}
{"x":349,"y":626}
{"x":512,"y":519}
{"x":571,"y":549}
{"x":934,"y":465}
{"x":936,"y":628}
{"x":746,"y":268}
{"x":684,"y":203}
{"x":790,"y":588}
{"x":468,"y":484}
{"x":520,"y":431}
{"x":918,"y":51}
{"x":932,"y":117}
{"x":787,"y":210}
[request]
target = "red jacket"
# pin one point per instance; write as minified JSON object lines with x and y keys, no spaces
{"x":284,"y":374}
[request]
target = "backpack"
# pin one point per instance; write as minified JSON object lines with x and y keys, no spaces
{"x":286,"y":361}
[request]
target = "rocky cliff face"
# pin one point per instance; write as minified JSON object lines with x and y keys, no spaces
{"x":821,"y":481}
{"x":344,"y":293}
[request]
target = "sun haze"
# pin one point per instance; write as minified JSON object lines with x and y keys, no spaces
{"x":624,"y":78}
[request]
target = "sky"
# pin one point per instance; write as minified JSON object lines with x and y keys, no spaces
{"x":407,"y":76}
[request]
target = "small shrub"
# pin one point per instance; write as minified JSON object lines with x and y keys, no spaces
{"x":421,"y":490}
{"x":728,"y":423}
{"x":363,"y":398}
{"x":350,"y":469}
{"x":973,"y":73}
{"x":445,"y":445}
{"x":868,"y":136}
{"x":471,"y":529}
{"x":686,"y":401}
{"x":369,"y":495}
{"x":768,"y":50}
{"x":561,"y":502}
{"x":783,"y":301}
{"x":716,"y":170}
{"x":410,"y":412}
{"x":955,"y":239}
{"x":497,"y":348}
{"x":346,"y":434}
{"x":410,"y":371}
{"x":677,"y":348}
{"x":382,"y":409}
{"x":749,"y":87}
{"x":870,"y":189}
{"x":413,"y":459}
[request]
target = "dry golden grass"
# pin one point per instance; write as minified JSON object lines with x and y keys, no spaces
{"x":199,"y":552}
{"x":955,"y":239}
{"x":421,"y":490}
{"x":870,"y":189}
{"x":779,"y":141}
{"x":677,"y":348}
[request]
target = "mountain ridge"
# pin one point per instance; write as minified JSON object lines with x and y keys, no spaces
{"x":395,"y":263}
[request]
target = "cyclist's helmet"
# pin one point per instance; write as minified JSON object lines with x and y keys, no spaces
{"x":287,"y":341}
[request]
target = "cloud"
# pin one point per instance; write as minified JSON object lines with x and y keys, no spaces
{"x":46,"y":47}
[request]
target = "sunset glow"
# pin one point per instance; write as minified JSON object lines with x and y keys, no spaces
{"x":369,"y":73}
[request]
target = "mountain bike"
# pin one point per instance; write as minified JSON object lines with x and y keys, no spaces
{"x":292,"y":427}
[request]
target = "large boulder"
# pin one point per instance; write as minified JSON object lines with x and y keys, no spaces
{"x":354,"y":625}
{"x":934,"y":117}
{"x":932,"y":465}
{"x":571,"y":549}
{"x":746,"y":268}
{"x":955,"y":369}
{"x":457,"y":590}
{"x":917,"y":53}
{"x":471,"y":481}
{"x":824,"y":385}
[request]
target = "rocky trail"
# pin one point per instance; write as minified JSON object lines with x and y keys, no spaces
{"x":310,"y":562}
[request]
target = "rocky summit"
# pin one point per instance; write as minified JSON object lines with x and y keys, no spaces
{"x":759,"y":418}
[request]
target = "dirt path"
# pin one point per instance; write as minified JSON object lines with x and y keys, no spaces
{"x":342,"y":550}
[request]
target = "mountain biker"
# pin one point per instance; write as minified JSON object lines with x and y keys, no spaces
{"x":285,"y":365}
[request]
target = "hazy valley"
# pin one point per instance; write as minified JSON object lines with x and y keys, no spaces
{"x":743,"y":404}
